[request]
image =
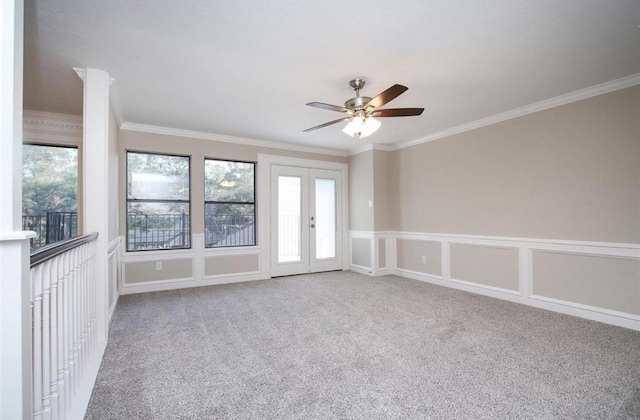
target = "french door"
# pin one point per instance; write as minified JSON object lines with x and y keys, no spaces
{"x":306,"y":220}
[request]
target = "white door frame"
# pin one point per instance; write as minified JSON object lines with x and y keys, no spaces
{"x":265,"y":162}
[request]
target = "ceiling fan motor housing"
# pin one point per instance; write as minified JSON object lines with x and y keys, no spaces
{"x":357,"y":103}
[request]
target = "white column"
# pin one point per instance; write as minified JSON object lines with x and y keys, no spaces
{"x":96,"y":182}
{"x":15,"y":327}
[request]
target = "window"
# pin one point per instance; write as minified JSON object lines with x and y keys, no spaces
{"x":49,"y":193}
{"x":158,"y":202}
{"x":229,"y":203}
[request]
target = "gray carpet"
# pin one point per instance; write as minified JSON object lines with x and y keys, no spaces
{"x":343,"y":345}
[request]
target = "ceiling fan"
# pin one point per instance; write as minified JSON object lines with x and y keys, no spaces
{"x":361,"y":110}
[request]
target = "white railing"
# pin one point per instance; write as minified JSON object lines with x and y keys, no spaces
{"x":63,"y":314}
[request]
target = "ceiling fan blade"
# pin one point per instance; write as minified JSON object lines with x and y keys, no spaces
{"x":327,"y":124}
{"x":397,"y":112}
{"x":328,"y":106}
{"x":387,"y":96}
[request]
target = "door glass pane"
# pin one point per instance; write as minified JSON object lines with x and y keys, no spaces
{"x":325,"y":212}
{"x":289,"y":218}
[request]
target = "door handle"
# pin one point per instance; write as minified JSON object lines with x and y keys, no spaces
{"x":313,"y":225}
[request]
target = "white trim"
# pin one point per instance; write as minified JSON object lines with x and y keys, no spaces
{"x":113,"y":246}
{"x":589,"y":308}
{"x":154,"y":129}
{"x":156,"y":286}
{"x":230,"y":276}
{"x":265,"y":161}
{"x":418,"y":275}
{"x":127,"y":286}
{"x":116,"y":103}
{"x":52,"y":128}
{"x":607,"y":87}
{"x":80,"y":72}
{"x":19,"y":235}
{"x":615,"y":248}
{"x":361,"y":269}
{"x":485,"y":286}
{"x":159,"y":255}
{"x":526,"y":248}
{"x":87,"y":381}
{"x":372,"y":146}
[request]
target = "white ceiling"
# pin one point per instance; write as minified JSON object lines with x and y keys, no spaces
{"x":247,"y":68}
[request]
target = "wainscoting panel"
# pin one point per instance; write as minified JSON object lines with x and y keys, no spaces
{"x":592,"y":280}
{"x":486,"y":265}
{"x":419,"y":256}
{"x":362,"y":247}
{"x":382,"y":254}
{"x":604,"y":282}
{"x":152,"y":271}
{"x":198,"y":266}
{"x":231,"y":264}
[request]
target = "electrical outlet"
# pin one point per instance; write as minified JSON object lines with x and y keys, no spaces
{"x":424,"y":259}
{"x":159,"y":265}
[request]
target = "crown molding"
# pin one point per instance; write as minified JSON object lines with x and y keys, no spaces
{"x":568,"y":98}
{"x":116,"y":104}
{"x":154,"y":129}
{"x":50,"y":127}
{"x":372,"y":146}
{"x":79,"y":72}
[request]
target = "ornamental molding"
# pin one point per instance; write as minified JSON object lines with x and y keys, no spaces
{"x":51,"y":128}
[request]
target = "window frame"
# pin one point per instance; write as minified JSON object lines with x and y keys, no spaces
{"x":133,"y":200}
{"x":253,"y":203}
{"x":63,"y":144}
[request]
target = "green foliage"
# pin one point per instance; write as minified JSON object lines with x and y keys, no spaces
{"x":49,"y":179}
{"x":153,"y":176}
{"x":229,"y":182}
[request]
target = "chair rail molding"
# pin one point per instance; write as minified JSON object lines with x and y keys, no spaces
{"x":383,"y":252}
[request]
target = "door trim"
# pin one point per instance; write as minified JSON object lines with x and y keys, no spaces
{"x":265,"y":161}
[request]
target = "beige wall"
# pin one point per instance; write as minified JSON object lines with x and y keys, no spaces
{"x":571,"y":172}
{"x":231,"y":264}
{"x":382,"y":190}
{"x":361,"y":191}
{"x":611,"y":283}
{"x":490,"y":266}
{"x":140,"y":272}
{"x":198,"y":149}
{"x":361,"y":252}
{"x":409,"y":255}
{"x":382,"y":253}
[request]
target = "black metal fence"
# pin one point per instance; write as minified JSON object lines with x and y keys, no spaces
{"x":52,"y":227}
{"x":229,"y":230}
{"x":149,"y":231}
{"x":158,"y":231}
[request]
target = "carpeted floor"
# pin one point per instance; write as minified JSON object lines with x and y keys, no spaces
{"x":343,"y":345}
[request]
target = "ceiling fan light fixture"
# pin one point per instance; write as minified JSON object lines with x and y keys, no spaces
{"x":359,"y":111}
{"x":363,"y":127}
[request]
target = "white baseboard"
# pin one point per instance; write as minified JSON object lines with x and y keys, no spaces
{"x":525,"y":247}
{"x":85,"y":387}
{"x":157,"y":286}
{"x":592,"y":313}
{"x":361,"y":269}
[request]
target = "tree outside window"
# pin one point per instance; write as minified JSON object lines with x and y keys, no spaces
{"x":49,"y":193}
{"x":229,"y":203}
{"x":158,"y":201}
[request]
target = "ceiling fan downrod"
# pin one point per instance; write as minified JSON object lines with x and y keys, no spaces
{"x":359,"y":102}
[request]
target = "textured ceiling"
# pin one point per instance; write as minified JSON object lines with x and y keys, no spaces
{"x":247,"y":67}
